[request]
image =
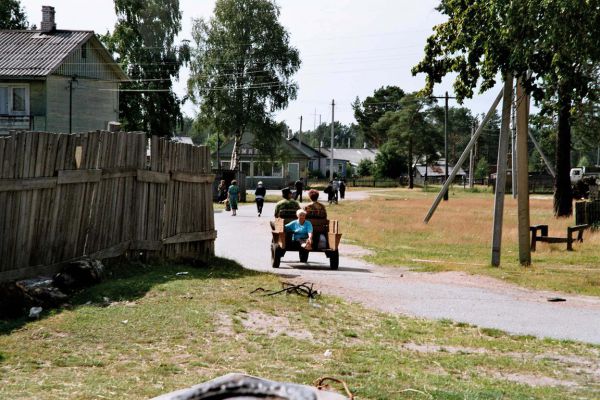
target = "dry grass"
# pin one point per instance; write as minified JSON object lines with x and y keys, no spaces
{"x":458,"y":237}
{"x":163,"y":332}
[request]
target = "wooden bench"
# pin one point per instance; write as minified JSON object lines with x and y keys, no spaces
{"x":539,"y":233}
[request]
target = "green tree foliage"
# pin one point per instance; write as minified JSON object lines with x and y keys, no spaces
{"x":241,"y":70}
{"x":143,"y":43}
{"x":482,"y":169}
{"x":390,"y":161}
{"x":341,"y":135}
{"x":12,"y":15}
{"x":371,"y":109}
{"x":460,"y":123}
{"x":556,"y":40}
{"x":411,"y":128}
{"x":365,"y":167}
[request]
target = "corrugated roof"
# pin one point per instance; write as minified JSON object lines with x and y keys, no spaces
{"x":354,"y":156}
{"x":36,"y":54}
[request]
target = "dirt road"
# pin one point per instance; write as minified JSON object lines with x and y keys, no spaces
{"x":482,"y":301}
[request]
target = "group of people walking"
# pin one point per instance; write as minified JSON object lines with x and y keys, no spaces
{"x":229,"y":195}
{"x":336,"y":190}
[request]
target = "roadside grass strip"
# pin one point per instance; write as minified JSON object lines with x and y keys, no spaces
{"x":458,"y":238}
{"x":160,"y":331}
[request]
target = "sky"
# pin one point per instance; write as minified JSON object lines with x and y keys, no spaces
{"x":348,"y":48}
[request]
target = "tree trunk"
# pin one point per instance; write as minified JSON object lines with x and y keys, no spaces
{"x":410,"y":164}
{"x":235,"y":152}
{"x":563,"y":195}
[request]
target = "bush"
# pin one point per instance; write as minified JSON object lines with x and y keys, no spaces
{"x":389,"y":162}
{"x":364,"y":168}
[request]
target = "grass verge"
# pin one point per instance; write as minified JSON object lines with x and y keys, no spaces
{"x":160,"y":331}
{"x":458,"y":237}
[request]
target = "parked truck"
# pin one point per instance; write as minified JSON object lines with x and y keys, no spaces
{"x":582,"y":178}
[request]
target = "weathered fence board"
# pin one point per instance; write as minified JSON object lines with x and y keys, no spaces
{"x":99,"y":194}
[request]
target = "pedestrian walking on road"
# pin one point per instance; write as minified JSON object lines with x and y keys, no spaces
{"x":342,"y":189}
{"x":232,"y":196}
{"x":259,"y":197}
{"x":222,"y":191}
{"x":336,"y":187}
{"x":299,"y":188}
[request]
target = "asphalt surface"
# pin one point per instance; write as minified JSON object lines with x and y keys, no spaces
{"x":481,"y":301}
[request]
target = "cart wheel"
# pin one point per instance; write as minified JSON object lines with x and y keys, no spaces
{"x":303,"y":256}
{"x":275,"y":255}
{"x":334,"y":260}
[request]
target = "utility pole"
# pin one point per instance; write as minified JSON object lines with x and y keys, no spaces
{"x":513,"y":152}
{"x":472,"y":160}
{"x":319,"y":144}
{"x":446,"y":98}
{"x":73,"y":79}
{"x":300,"y":134}
{"x":332,"y":132}
{"x":523,"y":184}
{"x":463,"y":157}
{"x":501,"y":171}
{"x":446,"y":143}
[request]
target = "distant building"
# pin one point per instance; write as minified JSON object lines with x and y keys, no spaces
{"x":343,"y":158}
{"x":56,"y":80}
{"x":435,"y":173}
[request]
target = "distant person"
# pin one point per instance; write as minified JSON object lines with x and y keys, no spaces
{"x":299,"y":188}
{"x":315,"y":209}
{"x":336,"y":187}
{"x":232,"y":196}
{"x":342,"y":189}
{"x":259,"y":197}
{"x":222,"y":191}
{"x":302,"y":230}
{"x":287,"y":205}
{"x":329,"y":191}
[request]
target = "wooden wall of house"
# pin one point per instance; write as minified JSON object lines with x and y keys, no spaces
{"x":95,"y":103}
{"x":98,"y":195}
{"x":95,"y":65}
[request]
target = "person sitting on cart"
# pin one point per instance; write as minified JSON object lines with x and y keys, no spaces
{"x":286,"y":207}
{"x":302,"y":230}
{"x":315,"y":209}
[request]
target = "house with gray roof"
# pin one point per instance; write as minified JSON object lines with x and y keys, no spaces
{"x":56,"y":80}
{"x":345,"y":158}
{"x":436,"y":173}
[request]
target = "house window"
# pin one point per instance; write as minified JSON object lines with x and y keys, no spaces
{"x":267,"y":169}
{"x":245,"y":167}
{"x":18,"y":100}
{"x":225,"y":164}
{"x":84,"y":50}
{"x":14,"y":100}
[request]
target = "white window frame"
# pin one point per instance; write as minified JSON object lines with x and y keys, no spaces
{"x":249,"y":167}
{"x":276,"y":170}
{"x":11,"y":88}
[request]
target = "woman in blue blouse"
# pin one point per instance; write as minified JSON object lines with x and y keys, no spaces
{"x":301,"y":229}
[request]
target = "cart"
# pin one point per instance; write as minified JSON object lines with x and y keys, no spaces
{"x":282,"y":241}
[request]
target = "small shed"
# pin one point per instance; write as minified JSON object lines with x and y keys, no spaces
{"x":435,"y":173}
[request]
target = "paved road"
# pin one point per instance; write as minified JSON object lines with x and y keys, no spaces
{"x":481,"y":301}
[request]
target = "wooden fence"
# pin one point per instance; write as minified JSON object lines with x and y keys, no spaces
{"x":100,"y":194}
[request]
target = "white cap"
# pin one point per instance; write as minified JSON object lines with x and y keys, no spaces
{"x":260,"y":182}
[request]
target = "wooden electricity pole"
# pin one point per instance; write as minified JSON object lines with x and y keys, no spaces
{"x":501,"y":171}
{"x":332,"y":132}
{"x":523,"y":177}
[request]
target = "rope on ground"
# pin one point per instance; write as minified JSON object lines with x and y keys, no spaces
{"x":321,"y":385}
{"x":304,"y":289}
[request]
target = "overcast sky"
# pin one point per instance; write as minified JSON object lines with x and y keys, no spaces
{"x":348,"y":48}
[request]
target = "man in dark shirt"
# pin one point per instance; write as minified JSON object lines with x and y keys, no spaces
{"x":287,"y":203}
{"x":299,"y":188}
